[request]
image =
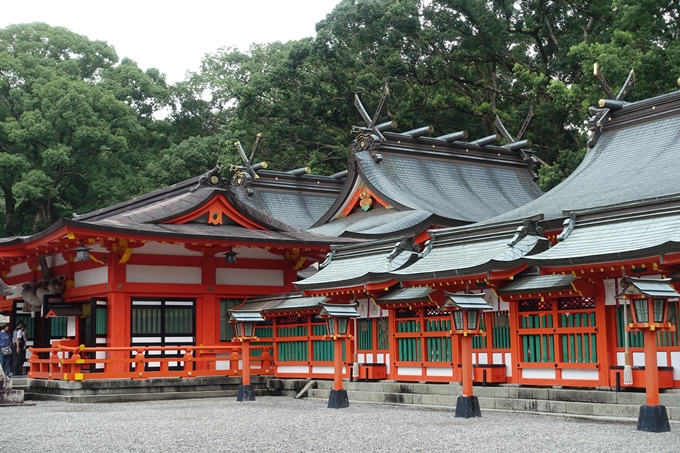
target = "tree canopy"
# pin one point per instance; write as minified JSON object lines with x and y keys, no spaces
{"x":80,"y":130}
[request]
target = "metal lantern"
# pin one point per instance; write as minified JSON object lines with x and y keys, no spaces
{"x":458,"y":319}
{"x":245,"y":323}
{"x":660,"y":310}
{"x":82,"y":253}
{"x":465,"y":311}
{"x":337,"y":318}
{"x":230,"y":257}
{"x":649,"y":302}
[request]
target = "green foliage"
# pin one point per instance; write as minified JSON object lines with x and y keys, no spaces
{"x":71,"y":123}
{"x":79,"y":131}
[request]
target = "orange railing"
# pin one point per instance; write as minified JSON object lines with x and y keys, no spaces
{"x":77,"y":363}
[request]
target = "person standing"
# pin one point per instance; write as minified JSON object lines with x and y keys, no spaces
{"x":19,"y":349}
{"x":5,"y":348}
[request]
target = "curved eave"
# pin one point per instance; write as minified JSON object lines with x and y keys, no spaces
{"x":409,"y":231}
{"x":211,"y":233}
{"x":345,"y":193}
{"x":470,"y":258}
{"x":613,"y":257}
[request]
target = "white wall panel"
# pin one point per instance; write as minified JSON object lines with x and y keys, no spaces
{"x":91,"y":277}
{"x":156,"y":248}
{"x":439,"y":371}
{"x":325,"y":370}
{"x":256,"y":277}
{"x":585,"y":375}
{"x":638,"y":359}
{"x":508,"y":364}
{"x":410,"y":371}
{"x":19,"y":269}
{"x":537,"y":373}
{"x":292,"y":369}
{"x":163,"y":274}
{"x":661,"y":359}
{"x":675,"y":363}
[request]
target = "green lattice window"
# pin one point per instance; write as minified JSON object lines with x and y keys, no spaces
{"x":146,"y":320}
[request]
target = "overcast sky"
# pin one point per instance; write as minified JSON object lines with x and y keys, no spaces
{"x":174,"y":36}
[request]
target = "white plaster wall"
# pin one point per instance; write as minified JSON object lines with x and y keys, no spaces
{"x":257,"y":253}
{"x":483,"y":358}
{"x":675,"y":363}
{"x":163,"y":274}
{"x":508,"y":364}
{"x":19,"y":269}
{"x":91,"y":277}
{"x":438,"y":371}
{"x":537,"y":373}
{"x":610,"y":292}
{"x":292,"y":369}
{"x":55,"y":260}
{"x":661,"y":359}
{"x":156,"y":248}
{"x":257,"y":277}
{"x":638,"y":359}
{"x":326,"y":370}
{"x":585,"y":375}
{"x":409,"y":371}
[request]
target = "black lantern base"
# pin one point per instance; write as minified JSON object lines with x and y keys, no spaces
{"x":245,"y":393}
{"x":467,"y":407}
{"x":653,"y":419}
{"x":338,"y":399}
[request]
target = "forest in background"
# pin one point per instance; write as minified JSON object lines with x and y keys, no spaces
{"x":81,"y":129}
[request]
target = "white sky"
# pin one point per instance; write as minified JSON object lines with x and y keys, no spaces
{"x":170,"y":35}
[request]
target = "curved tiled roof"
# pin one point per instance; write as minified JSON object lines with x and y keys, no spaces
{"x":453,"y":186}
{"x":450,"y":183}
{"x":299,"y":201}
{"x":378,"y":222}
{"x":635,"y":158}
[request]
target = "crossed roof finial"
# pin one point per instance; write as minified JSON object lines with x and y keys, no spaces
{"x":614,"y":102}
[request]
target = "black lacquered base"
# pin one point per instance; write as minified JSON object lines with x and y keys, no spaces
{"x":653,"y":419}
{"x":338,"y":399}
{"x":467,"y":407}
{"x":245,"y":393}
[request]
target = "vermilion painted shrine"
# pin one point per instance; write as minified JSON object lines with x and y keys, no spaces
{"x":415,"y":215}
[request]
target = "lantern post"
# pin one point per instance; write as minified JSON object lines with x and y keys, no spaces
{"x":466,"y":312}
{"x":245,"y":333}
{"x":337,"y":318}
{"x":649,"y":302}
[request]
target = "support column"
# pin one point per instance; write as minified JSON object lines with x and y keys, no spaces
{"x":467,"y":405}
{"x":653,"y":417}
{"x":338,"y":397}
{"x":245,"y":390}
{"x":118,"y":334}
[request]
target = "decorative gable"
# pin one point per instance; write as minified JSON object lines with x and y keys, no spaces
{"x":217,"y":211}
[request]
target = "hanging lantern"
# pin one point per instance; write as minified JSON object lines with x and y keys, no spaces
{"x":82,"y":252}
{"x":230,"y":257}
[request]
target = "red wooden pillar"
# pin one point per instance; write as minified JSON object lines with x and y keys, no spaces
{"x":515,"y":341}
{"x":466,"y":361}
{"x":245,"y":360}
{"x":118,"y":329}
{"x":651,"y":369}
{"x":337,"y":364}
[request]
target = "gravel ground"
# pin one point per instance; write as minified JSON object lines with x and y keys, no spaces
{"x":282,"y":424}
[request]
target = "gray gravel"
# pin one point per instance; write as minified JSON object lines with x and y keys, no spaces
{"x":282,"y":424}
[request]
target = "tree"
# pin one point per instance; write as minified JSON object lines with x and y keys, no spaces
{"x":69,"y":123}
